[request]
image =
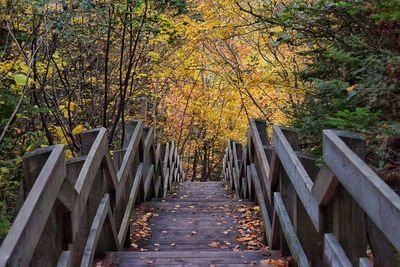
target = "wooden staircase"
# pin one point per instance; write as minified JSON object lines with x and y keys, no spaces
{"x":196,"y":226}
{"x":76,"y":211}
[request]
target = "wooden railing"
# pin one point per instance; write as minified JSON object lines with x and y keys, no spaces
{"x":75,"y":210}
{"x":325,"y":214}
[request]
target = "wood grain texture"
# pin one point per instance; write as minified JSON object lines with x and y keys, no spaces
{"x":65,"y":259}
{"x":257,"y":143}
{"x":184,"y":225}
{"x":298,"y":175}
{"x":103,"y":211}
{"x":290,"y":234}
{"x":66,"y":218}
{"x":334,"y":255}
{"x":123,"y":230}
{"x":376,"y":198}
{"x":325,"y":185}
{"x":261,"y":202}
{"x":18,"y":247}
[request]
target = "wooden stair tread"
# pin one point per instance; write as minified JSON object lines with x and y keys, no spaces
{"x":179,"y":258}
{"x":198,"y":225}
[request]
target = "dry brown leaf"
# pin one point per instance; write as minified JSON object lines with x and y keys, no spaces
{"x":214,"y":244}
{"x":244,"y":238}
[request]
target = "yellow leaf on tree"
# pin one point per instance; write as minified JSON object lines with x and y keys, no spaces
{"x":68,"y":153}
{"x":65,"y":141}
{"x":351,"y":88}
{"x":78,"y":129}
{"x":72,"y":106}
{"x":59,"y":131}
{"x":154,"y":56}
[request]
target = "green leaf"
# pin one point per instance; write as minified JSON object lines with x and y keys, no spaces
{"x":20,"y":79}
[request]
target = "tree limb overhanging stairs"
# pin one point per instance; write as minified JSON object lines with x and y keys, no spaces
{"x":79,"y":208}
{"x":321,"y":214}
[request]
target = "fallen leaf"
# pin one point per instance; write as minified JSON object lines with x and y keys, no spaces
{"x":244,"y":238}
{"x":214,"y":244}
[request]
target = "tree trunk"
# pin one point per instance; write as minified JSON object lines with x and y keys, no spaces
{"x":196,"y":154}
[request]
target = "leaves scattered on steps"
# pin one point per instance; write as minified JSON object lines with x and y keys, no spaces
{"x":251,"y":229}
{"x":140,"y":229}
{"x":172,"y":193}
{"x":276,"y":262}
{"x":228,"y":190}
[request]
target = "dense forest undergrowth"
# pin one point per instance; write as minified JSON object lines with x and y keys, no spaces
{"x":196,"y":70}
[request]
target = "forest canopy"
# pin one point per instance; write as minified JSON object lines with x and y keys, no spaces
{"x":196,"y":71}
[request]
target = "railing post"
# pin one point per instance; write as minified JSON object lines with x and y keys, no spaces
{"x":286,"y":188}
{"x":347,"y":218}
{"x":81,"y":224}
{"x":32,"y":164}
{"x":311,"y":240}
{"x":26,"y":242}
{"x":49,"y":246}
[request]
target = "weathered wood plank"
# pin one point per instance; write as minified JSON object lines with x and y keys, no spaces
{"x":311,"y":239}
{"x":92,"y":163}
{"x":110,"y":171}
{"x":233,"y":167}
{"x":148,"y":180}
{"x":325,"y":185}
{"x":67,"y":195}
{"x":249,"y":182}
{"x":166,"y":183}
{"x":366,"y":262}
{"x":103,"y":211}
{"x":275,"y":167}
{"x":275,"y":241}
{"x":123,"y":230}
{"x":376,"y":198}
{"x":126,"y":166}
{"x":79,"y":191}
{"x":189,"y":258}
{"x":289,"y":232}
{"x":298,"y":175}
{"x":261,"y":156}
{"x":261,"y":202}
{"x":334,"y":255}
{"x":65,"y":259}
{"x":24,"y":235}
{"x":88,"y":173}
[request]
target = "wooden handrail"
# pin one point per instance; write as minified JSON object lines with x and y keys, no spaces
{"x":319,"y":209}
{"x":376,"y":198}
{"x":31,"y":219}
{"x":80,"y":207}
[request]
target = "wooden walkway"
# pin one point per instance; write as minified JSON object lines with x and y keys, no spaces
{"x":77,"y":211}
{"x":196,"y":226}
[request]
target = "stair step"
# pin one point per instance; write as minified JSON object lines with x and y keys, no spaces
{"x":197,"y":226}
{"x":195,"y":203}
{"x":198,"y":258}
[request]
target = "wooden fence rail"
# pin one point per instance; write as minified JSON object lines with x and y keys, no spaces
{"x":75,"y":210}
{"x":325,"y":214}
